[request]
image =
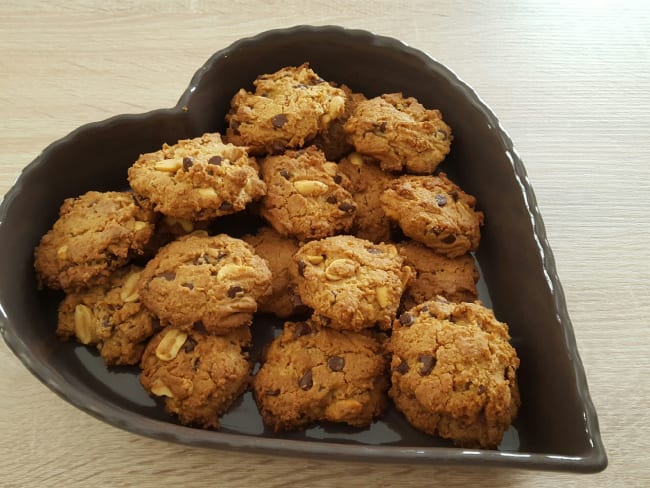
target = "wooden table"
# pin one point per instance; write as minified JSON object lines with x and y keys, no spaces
{"x":571,"y":84}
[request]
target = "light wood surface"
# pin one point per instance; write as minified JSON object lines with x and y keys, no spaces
{"x":570,"y":81}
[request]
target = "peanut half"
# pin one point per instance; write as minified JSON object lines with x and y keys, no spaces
{"x":170,"y":344}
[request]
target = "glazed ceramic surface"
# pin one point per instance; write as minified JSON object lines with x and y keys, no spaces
{"x":557,"y":426}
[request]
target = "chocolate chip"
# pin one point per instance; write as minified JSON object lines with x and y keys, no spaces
{"x":187,"y":163}
{"x":450,"y":239}
{"x":428,"y":363}
{"x":168,"y":275}
{"x":306,"y":382}
{"x":382,"y":126}
{"x":331,"y":199}
{"x":215,"y":160}
{"x":225,"y":206}
{"x":273,"y":393}
{"x":199,"y":327}
{"x":301,"y":267}
{"x":285,"y":174}
{"x":441,"y":200}
{"x":406,"y":319}
{"x":279,"y":121}
{"x":189,"y":345}
{"x":402,"y":368}
{"x":338,"y":179}
{"x":188,"y":285}
{"x":234,"y":290}
{"x":301,"y":329}
{"x":347,"y":207}
{"x":336,"y":363}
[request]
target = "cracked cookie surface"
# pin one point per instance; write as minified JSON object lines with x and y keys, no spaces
{"x":305,"y":198}
{"x":400,"y":133}
{"x":95,"y":234}
{"x":287,"y":109}
{"x":453,"y":372}
{"x":109,"y":316}
{"x":351,"y":283}
{"x":435,"y":211}
{"x":206,"y":282}
{"x":313,"y":373}
{"x":200,"y":376}
{"x":197,"y":179}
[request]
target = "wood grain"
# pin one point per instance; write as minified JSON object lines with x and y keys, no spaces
{"x":570,"y":83}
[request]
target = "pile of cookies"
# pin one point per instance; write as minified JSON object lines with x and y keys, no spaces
{"x":365,"y":253}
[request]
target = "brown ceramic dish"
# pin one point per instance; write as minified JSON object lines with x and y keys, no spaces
{"x":557,"y":428}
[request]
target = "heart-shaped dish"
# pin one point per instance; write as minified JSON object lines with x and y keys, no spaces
{"x":557,"y":427}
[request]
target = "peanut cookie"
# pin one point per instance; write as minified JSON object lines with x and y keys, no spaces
{"x":200,"y":376}
{"x":94,"y":235}
{"x":453,"y":278}
{"x":197,"y":179}
{"x":366,"y":183}
{"x":434,"y":211}
{"x":453,"y":372}
{"x":109,"y":316}
{"x":289,"y":107}
{"x":209,"y":282}
{"x":400,"y":133}
{"x":332,"y":140}
{"x":278,"y":251}
{"x":314,"y":374}
{"x":351,"y":283}
{"x":305,"y":198}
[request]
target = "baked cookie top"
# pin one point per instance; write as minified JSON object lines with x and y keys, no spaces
{"x":434,"y":211}
{"x":313,"y":373}
{"x":278,"y":251}
{"x":453,"y":372}
{"x":110,"y":316}
{"x":400,"y":133}
{"x":197,"y":179}
{"x":366,"y":183}
{"x":351,"y":283}
{"x":206,"y":282}
{"x":95,"y":234}
{"x":305,"y":198}
{"x":287,"y":109}
{"x":199,"y":375}
{"x":453,"y":278}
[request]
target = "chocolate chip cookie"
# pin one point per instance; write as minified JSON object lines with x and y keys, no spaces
{"x":351,"y":283}
{"x":453,"y":372}
{"x":211,"y":283}
{"x":109,"y":316}
{"x":200,"y":376}
{"x":434,"y":211}
{"x":95,"y":234}
{"x":197,"y":179}
{"x":400,"y":133}
{"x":287,"y":109}
{"x":305,"y":198}
{"x":453,"y":278}
{"x":366,"y":183}
{"x":312,"y":374}
{"x":278,"y":251}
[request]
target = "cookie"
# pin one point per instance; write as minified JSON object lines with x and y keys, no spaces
{"x":453,"y":278}
{"x":287,"y":109}
{"x":211,"y":283}
{"x":453,"y":372}
{"x":197,"y":179}
{"x":332,"y":140}
{"x":400,"y":133}
{"x":312,"y":374}
{"x":95,"y":234}
{"x":434,"y":211}
{"x":351,"y":283}
{"x":109,"y":316}
{"x":366,"y":183}
{"x":304,"y":197}
{"x":278,"y":251}
{"x":200,"y":376}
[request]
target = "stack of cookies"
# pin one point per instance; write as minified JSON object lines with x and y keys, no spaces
{"x":365,"y":253}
